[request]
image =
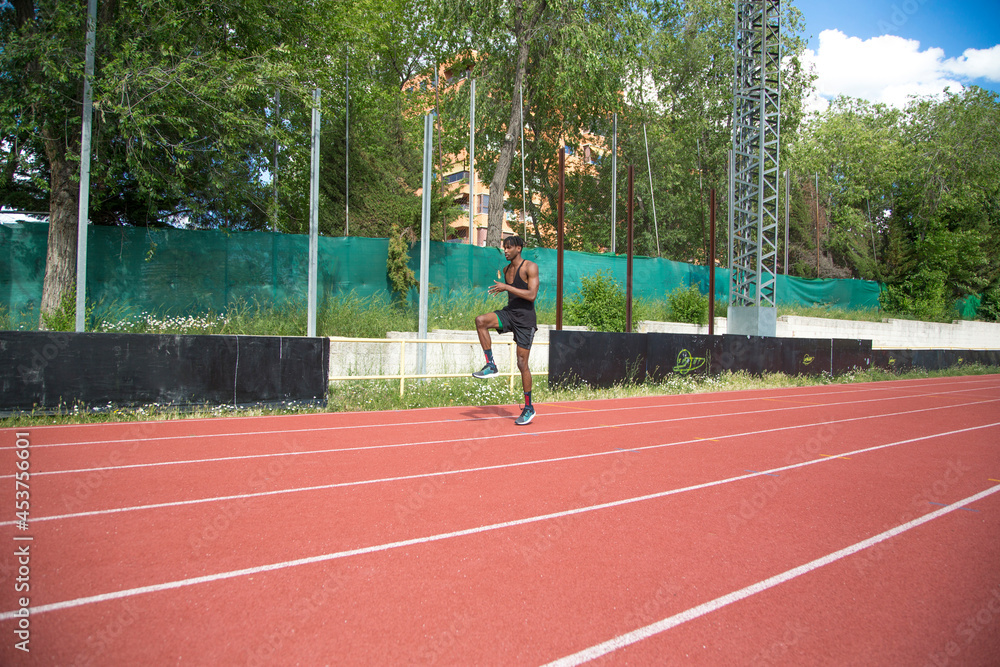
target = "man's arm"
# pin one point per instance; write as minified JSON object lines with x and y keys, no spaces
{"x":532,"y":290}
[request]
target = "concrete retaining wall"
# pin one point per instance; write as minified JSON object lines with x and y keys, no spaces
{"x":349,"y":358}
{"x":354,"y":358}
{"x":889,"y":333}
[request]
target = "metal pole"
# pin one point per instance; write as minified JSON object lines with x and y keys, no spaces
{"x":732,"y":222}
{"x":614,"y":183}
{"x":425,"y":237}
{"x":817,"y":225}
{"x":83,"y":212}
{"x":629,"y":248}
{"x":652,"y":198}
{"x":701,"y":190}
{"x":313,"y":217}
{"x":871,"y":226}
{"x":711,"y":262}
{"x":472,"y":161}
{"x":524,"y":186}
{"x":437,"y":114}
{"x":788,"y":205}
{"x":274,"y":160}
{"x":560,"y":230}
{"x":347,"y":146}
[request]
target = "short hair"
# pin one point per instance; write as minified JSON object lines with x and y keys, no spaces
{"x":514,"y":240}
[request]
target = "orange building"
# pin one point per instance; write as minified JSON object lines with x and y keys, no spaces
{"x":455,"y":175}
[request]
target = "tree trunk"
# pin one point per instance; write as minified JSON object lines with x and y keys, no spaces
{"x":60,"y":262}
{"x":494,"y":225}
{"x":523,"y":34}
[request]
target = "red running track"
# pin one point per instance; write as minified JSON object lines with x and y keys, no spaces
{"x":844,"y":524}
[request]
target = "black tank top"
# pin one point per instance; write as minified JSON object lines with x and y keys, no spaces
{"x":516,"y":302}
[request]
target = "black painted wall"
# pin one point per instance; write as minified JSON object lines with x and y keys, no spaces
{"x":47,"y":369}
{"x":604,"y":359}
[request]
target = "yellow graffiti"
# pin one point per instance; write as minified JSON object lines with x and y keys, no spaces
{"x":808,"y":359}
{"x":687,"y":363}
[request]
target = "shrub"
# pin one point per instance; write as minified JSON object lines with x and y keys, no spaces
{"x":64,"y":316}
{"x":922,"y":295}
{"x":688,"y":305}
{"x":989,"y":306}
{"x":401,"y":276}
{"x":600,"y":305}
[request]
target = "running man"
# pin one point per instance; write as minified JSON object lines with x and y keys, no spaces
{"x":521,"y":284}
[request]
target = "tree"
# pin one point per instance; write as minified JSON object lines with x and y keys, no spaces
{"x":686,"y":102}
{"x":180,"y":92}
{"x":385,"y":59}
{"x":856,"y":150}
{"x":946,"y":224}
{"x":570,"y":58}
{"x":913,"y":195}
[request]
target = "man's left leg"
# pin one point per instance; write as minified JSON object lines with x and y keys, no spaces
{"x":522,"y":365}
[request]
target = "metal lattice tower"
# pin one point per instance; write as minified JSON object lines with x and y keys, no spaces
{"x":753,"y":178}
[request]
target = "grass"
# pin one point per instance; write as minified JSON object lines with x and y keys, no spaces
{"x":832,"y":312}
{"x":354,"y":316}
{"x":371,"y":395}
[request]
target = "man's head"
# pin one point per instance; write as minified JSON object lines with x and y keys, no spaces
{"x":512,"y":246}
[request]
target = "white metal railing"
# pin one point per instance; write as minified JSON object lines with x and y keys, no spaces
{"x":402,"y":376}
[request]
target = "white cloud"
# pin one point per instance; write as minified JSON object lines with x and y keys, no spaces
{"x":889,"y":69}
{"x":977,"y":63}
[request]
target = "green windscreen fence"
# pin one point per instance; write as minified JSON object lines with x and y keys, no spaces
{"x":176,"y":271}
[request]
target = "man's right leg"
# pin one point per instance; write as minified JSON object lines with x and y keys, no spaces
{"x":483,"y":325}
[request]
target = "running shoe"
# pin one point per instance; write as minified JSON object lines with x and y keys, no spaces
{"x":488,"y":371}
{"x":526,"y":416}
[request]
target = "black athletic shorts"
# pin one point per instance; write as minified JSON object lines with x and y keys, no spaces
{"x":519,"y":321}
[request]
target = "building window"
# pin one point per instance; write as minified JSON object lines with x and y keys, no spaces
{"x":456,"y":177}
{"x":569,"y":150}
{"x":484,"y":204}
{"x":587,"y":156}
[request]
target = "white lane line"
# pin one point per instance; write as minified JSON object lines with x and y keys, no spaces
{"x":321,"y":487}
{"x":338,"y":450}
{"x":648,"y":631}
{"x":130,"y":592}
{"x":673,"y":404}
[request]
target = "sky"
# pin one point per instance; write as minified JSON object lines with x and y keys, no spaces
{"x":886,"y":51}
